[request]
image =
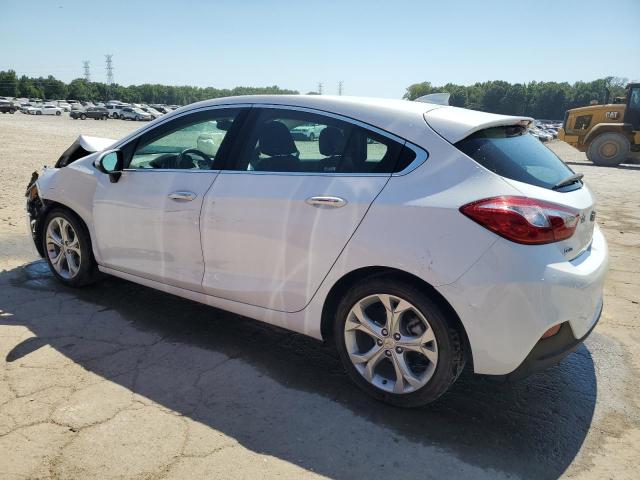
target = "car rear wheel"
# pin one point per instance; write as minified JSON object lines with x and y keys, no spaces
{"x":609,"y":149}
{"x":312,"y":137}
{"x":396,"y":343}
{"x":58,"y":113}
{"x":67,"y":249}
{"x":83,"y":117}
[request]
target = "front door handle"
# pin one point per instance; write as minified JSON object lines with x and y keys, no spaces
{"x":182,"y":196}
{"x":335,"y":202}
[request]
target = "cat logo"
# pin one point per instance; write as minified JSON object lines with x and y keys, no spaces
{"x":612,"y":115}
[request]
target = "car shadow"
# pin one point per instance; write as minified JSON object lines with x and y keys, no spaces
{"x":285,"y":395}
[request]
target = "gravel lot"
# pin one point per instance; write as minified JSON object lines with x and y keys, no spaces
{"x":120,"y":381}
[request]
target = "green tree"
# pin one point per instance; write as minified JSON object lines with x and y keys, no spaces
{"x":8,"y":83}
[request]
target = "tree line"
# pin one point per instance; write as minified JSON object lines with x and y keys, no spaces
{"x":51,"y":88}
{"x":535,"y":99}
{"x":548,"y":100}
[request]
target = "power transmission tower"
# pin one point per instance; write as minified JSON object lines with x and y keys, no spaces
{"x":87,"y":74}
{"x":319,"y":88}
{"x":340,"y":87}
{"x":108,"y":60}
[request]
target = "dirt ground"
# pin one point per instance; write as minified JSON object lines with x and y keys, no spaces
{"x":121,"y":381}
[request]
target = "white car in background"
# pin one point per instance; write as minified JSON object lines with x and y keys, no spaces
{"x":151,"y":111}
{"x":415,"y":237}
{"x":48,"y":110}
{"x":308,"y":132}
{"x":132,"y":113}
{"x":65,"y":106}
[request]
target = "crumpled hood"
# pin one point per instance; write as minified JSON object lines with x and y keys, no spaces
{"x":81,"y":147}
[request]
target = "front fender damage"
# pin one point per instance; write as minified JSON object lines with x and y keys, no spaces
{"x":36,"y":210}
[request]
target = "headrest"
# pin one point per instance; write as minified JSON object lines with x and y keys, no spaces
{"x":331,"y":141}
{"x":275,"y":139}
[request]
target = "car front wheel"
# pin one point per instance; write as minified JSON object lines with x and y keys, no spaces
{"x":67,"y":249}
{"x":395,"y":342}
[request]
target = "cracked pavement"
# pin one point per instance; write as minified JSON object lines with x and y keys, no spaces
{"x":121,"y":381}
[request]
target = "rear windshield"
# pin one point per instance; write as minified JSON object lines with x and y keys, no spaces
{"x":513,"y":153}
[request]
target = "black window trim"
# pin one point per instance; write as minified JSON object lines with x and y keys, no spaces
{"x":129,"y":144}
{"x":421,"y":155}
{"x":174,"y":124}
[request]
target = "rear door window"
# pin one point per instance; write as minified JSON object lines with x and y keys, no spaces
{"x":293,"y":141}
{"x":513,"y":153}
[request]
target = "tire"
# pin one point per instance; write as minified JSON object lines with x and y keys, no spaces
{"x":83,"y":117}
{"x":609,"y":149}
{"x":58,"y":114}
{"x":12,"y":112}
{"x":428,"y":380}
{"x":85,"y":270}
{"x":312,"y":137}
{"x":115,"y":115}
{"x":38,"y":113}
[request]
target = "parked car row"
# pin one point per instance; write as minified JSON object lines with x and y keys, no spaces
{"x":83,"y":110}
{"x":545,"y":130}
{"x":137,"y":111}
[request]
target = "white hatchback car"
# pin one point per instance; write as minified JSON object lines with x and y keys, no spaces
{"x":416,"y":237}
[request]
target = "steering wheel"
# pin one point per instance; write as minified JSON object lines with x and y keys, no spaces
{"x":194,"y":151}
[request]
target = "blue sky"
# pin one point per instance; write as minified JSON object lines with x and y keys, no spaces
{"x":375,"y":48}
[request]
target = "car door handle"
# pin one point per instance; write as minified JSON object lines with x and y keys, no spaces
{"x":182,"y":196}
{"x":335,"y":202}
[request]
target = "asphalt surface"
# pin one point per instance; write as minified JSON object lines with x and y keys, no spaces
{"x":121,"y":381}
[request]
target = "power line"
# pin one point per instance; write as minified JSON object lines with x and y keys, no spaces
{"x":87,"y":74}
{"x":108,"y":60}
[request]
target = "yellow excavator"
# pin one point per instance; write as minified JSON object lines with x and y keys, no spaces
{"x":610,"y":133}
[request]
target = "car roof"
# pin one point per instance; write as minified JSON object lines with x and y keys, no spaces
{"x":403,"y":118}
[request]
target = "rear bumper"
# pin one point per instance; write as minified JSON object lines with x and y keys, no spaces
{"x":514,"y":293}
{"x":549,"y":351}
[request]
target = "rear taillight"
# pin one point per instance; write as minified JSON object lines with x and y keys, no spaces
{"x":524,"y":220}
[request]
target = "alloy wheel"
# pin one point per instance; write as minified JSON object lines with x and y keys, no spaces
{"x":63,"y":248}
{"x":391,"y":343}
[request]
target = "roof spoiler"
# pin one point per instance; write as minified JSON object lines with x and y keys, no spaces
{"x":441,"y":98}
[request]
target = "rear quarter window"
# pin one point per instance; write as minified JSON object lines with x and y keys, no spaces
{"x":512,"y":152}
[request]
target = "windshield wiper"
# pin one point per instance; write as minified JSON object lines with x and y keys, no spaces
{"x":568,"y":181}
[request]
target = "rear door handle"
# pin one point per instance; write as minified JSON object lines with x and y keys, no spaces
{"x":323,"y":201}
{"x":182,"y":196}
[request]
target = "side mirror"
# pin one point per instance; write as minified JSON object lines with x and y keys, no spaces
{"x":110,"y":162}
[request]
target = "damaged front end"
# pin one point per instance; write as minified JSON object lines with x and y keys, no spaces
{"x":83,"y":146}
{"x":37,"y":206}
{"x":35,"y":209}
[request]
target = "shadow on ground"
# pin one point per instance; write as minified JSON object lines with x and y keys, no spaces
{"x":285,"y":395}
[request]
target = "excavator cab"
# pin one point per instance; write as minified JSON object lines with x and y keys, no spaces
{"x":632,"y":113}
